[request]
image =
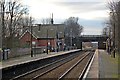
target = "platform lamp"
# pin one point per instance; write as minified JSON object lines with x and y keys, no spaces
{"x":47,"y":39}
{"x":113,"y":15}
{"x":31,"y":36}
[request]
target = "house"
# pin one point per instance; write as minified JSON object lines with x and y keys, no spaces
{"x":43,"y":35}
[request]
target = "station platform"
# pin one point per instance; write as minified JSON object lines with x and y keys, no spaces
{"x":27,"y":58}
{"x":102,"y":66}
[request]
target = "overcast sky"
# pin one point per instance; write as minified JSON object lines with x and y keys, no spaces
{"x":92,"y":13}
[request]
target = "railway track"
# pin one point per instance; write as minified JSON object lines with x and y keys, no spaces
{"x":66,"y":70}
{"x":44,"y":68}
{"x":16,"y":70}
{"x":78,"y":69}
{"x":73,"y":66}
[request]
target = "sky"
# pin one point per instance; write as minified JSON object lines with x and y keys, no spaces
{"x":92,"y":14}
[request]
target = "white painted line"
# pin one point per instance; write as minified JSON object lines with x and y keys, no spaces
{"x":86,"y":73}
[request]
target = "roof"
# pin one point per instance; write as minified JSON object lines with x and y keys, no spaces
{"x":26,"y":32}
{"x":40,"y":31}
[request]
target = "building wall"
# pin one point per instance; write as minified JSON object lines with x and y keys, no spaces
{"x":43,"y":42}
{"x":26,"y":39}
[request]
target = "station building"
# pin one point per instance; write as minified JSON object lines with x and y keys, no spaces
{"x":44,"y":35}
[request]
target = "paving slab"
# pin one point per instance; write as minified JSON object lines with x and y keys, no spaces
{"x":93,"y":71}
{"x":103,"y":67}
{"x":108,"y":67}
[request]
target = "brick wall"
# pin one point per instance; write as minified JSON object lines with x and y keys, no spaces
{"x":26,"y":39}
{"x":43,"y":42}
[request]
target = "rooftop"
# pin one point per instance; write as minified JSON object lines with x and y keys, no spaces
{"x":53,"y":30}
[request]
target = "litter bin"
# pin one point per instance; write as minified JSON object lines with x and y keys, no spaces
{"x":6,"y":54}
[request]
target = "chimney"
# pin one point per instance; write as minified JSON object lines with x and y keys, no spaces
{"x":39,"y":27}
{"x":52,"y":19}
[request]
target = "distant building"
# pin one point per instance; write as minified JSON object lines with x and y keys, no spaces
{"x":51,"y":34}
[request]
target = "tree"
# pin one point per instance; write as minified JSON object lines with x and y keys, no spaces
{"x":115,"y":23}
{"x":105,"y":31}
{"x":73,"y":28}
{"x":46,"y":21}
{"x":12,"y":11}
{"x":25,"y":23}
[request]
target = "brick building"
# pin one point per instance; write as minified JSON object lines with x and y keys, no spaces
{"x":51,"y":34}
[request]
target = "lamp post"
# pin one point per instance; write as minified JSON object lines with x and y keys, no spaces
{"x":3,"y":27}
{"x":47,"y":40}
{"x":58,"y":40}
{"x":71,"y":38}
{"x":34,"y":44}
{"x":114,"y":38}
{"x":110,"y":39}
{"x":31,"y":36}
{"x":113,"y":15}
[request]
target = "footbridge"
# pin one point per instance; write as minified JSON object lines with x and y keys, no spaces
{"x":101,"y":39}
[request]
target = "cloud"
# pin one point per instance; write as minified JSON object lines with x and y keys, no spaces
{"x":92,"y":13}
{"x":92,"y":30}
{"x":82,"y":5}
{"x":93,"y":27}
{"x":78,"y":8}
{"x":85,"y":10}
{"x":96,"y":14}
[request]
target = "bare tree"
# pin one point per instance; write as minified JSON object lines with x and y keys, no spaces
{"x":43,"y":21}
{"x":115,"y":23}
{"x":16,"y":11}
{"x":73,"y":27}
{"x":46,"y":21}
{"x":25,"y":22}
{"x":12,"y":11}
{"x":105,"y":31}
{"x":72,"y":30}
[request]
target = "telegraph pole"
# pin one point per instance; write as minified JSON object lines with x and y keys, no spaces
{"x":71,"y":36}
{"x":31,"y":36}
{"x":3,"y":27}
{"x":47,"y":41}
{"x":114,"y":34}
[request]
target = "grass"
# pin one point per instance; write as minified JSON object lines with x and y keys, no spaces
{"x":117,"y":58}
{"x":116,"y":76}
{"x":117,"y":61}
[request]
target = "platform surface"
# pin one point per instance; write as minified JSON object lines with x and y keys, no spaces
{"x":103,"y":66}
{"x":28,"y":58}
